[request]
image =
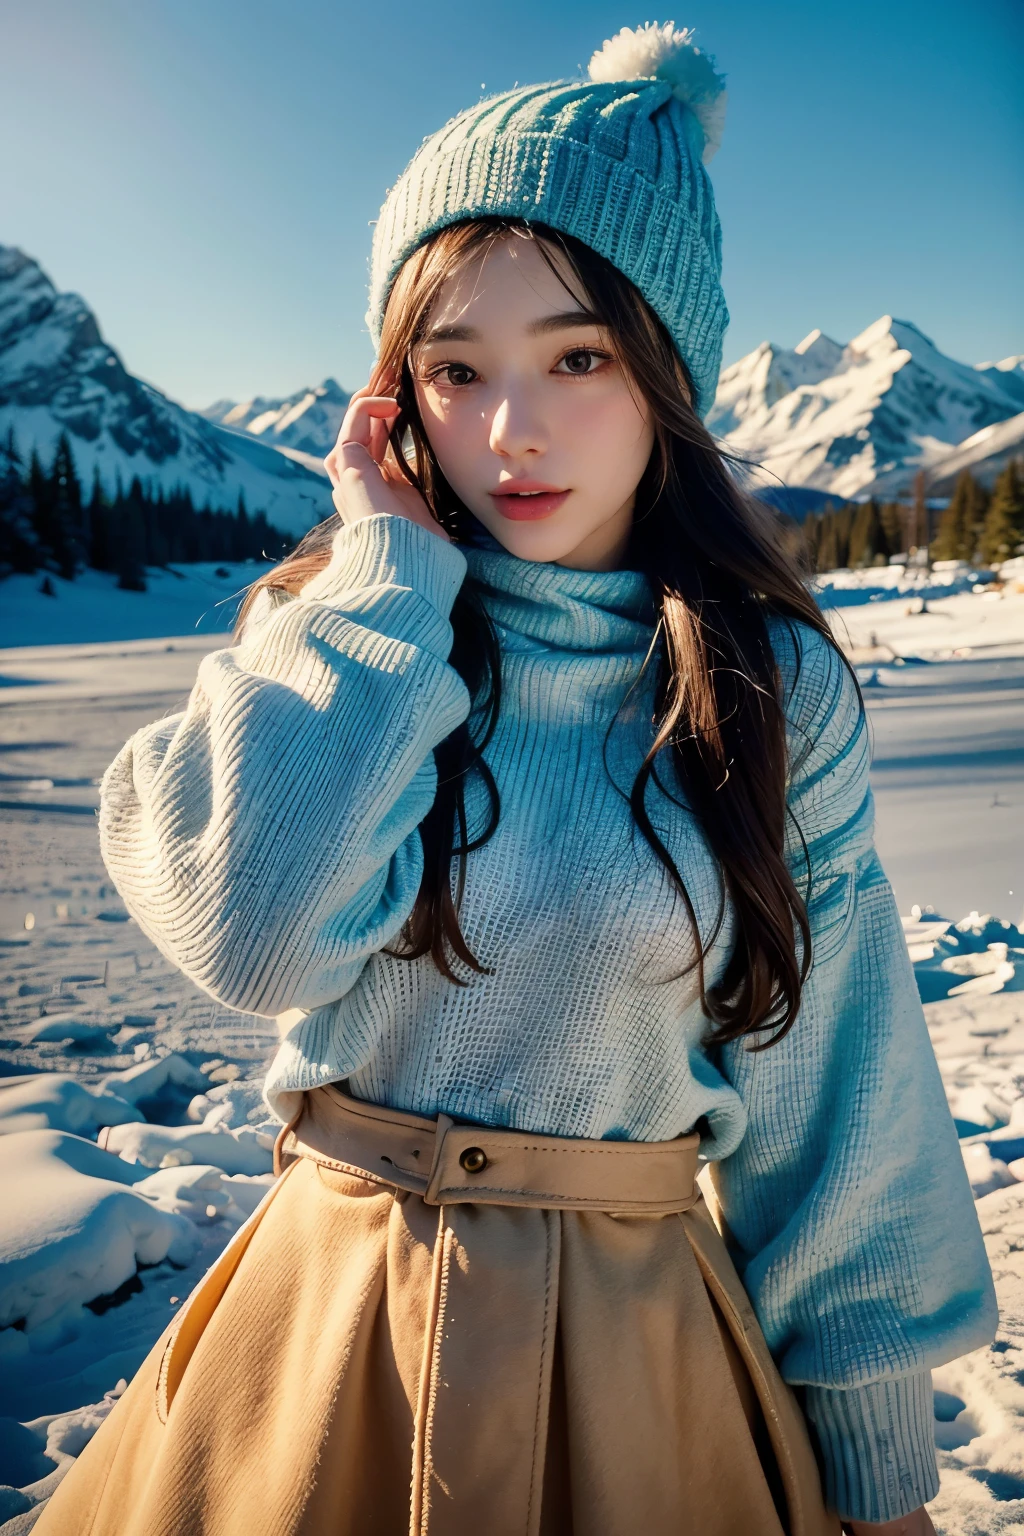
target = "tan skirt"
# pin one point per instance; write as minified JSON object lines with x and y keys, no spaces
{"x":445,"y":1330}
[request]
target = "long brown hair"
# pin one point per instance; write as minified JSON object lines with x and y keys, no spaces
{"x":715,"y":563}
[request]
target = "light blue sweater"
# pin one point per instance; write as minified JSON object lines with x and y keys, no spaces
{"x":266,"y":839}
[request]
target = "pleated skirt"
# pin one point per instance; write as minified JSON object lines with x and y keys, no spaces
{"x":430,"y":1329}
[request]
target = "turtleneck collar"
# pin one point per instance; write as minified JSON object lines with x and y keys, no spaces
{"x":546,"y":607}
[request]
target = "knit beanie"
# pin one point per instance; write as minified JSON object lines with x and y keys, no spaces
{"x":617,"y":160}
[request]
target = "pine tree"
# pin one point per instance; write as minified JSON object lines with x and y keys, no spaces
{"x":893,"y":515}
{"x":808,"y":556}
{"x":130,"y":539}
{"x":67,"y":532}
{"x":98,"y":520}
{"x":833,"y":552}
{"x":40,"y":493}
{"x":922,"y":532}
{"x":1003,"y":532}
{"x":19,"y":549}
{"x":158,"y":544}
{"x":57,"y":510}
{"x":867,"y":538}
{"x":957,"y":534}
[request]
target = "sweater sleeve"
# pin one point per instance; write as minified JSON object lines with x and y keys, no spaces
{"x":847,"y":1205}
{"x":266,"y":839}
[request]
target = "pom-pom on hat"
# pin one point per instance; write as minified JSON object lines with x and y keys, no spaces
{"x":617,"y":160}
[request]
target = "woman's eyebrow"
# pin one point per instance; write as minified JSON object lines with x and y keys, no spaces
{"x":564,"y":320}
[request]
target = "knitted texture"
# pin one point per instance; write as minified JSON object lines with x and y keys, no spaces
{"x":616,"y":163}
{"x":267,"y":840}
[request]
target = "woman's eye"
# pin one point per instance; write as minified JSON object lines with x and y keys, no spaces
{"x":583,"y":360}
{"x":454,"y":373}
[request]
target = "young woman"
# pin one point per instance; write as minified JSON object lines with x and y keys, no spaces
{"x":534,"y":797}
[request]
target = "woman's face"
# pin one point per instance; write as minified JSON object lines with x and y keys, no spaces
{"x":531,"y":416}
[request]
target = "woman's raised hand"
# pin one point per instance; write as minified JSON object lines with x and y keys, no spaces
{"x":363,"y":470}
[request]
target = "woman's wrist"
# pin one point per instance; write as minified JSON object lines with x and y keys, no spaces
{"x":877,"y":1443}
{"x":385,"y":550}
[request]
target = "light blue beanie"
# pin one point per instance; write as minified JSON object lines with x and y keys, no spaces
{"x":617,"y":161}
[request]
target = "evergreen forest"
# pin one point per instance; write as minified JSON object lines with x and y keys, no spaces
{"x":980,"y":526}
{"x":49,"y":523}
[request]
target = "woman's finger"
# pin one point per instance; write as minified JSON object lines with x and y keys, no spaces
{"x":361,"y":414}
{"x":362,"y":491}
{"x":358,"y":426}
{"x":380,"y":437}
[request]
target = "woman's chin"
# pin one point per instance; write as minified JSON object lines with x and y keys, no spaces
{"x":541,"y":539}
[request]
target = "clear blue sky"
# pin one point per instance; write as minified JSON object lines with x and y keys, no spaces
{"x":206,"y":173}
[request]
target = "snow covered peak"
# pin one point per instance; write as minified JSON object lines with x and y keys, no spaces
{"x":767,"y":375}
{"x":858,"y":418}
{"x":1008,"y":374}
{"x":820,"y":349}
{"x":887,"y":335}
{"x":57,"y":374}
{"x":307,"y":421}
{"x":1006,"y":366}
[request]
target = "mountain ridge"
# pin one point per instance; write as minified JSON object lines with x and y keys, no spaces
{"x":861,"y":418}
{"x":828,"y":418}
{"x":58,"y":374}
{"x":825,"y":417}
{"x":307,"y":420}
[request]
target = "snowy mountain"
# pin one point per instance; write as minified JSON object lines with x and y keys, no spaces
{"x":860,"y":418}
{"x":985,"y":454}
{"x":826,"y":418}
{"x":1009,"y":374}
{"x":307,"y":421}
{"x":58,"y":374}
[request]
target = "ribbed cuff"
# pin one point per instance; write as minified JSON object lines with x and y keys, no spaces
{"x":877,"y":1444}
{"x":391,"y":551}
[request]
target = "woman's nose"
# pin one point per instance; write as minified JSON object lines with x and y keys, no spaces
{"x":516,"y":428}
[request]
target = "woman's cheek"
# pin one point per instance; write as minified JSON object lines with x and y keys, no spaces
{"x":602,"y":433}
{"x":459,"y":440}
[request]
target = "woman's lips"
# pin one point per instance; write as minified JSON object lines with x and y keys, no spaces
{"x":520,"y":507}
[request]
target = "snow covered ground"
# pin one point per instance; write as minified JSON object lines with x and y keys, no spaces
{"x":942,"y":669}
{"x":182,"y":600}
{"x":131,"y":1102}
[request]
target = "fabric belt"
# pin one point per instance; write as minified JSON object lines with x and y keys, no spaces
{"x":450,"y":1162}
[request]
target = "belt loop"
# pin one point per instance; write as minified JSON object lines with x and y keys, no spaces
{"x":283,"y":1157}
{"x":444,"y":1125}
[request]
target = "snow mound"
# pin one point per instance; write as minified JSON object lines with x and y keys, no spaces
{"x":55,"y":1101}
{"x":188,"y":1189}
{"x":232,"y":1105}
{"x":72,"y":1229}
{"x":148,"y":1079}
{"x":34,"y":1456}
{"x":980,"y":954}
{"x":979,"y":1398}
{"x":204,"y":1192}
{"x":75,"y":1028}
{"x":172,"y":1146}
{"x":986,"y":1173}
{"x":247,"y":1190}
